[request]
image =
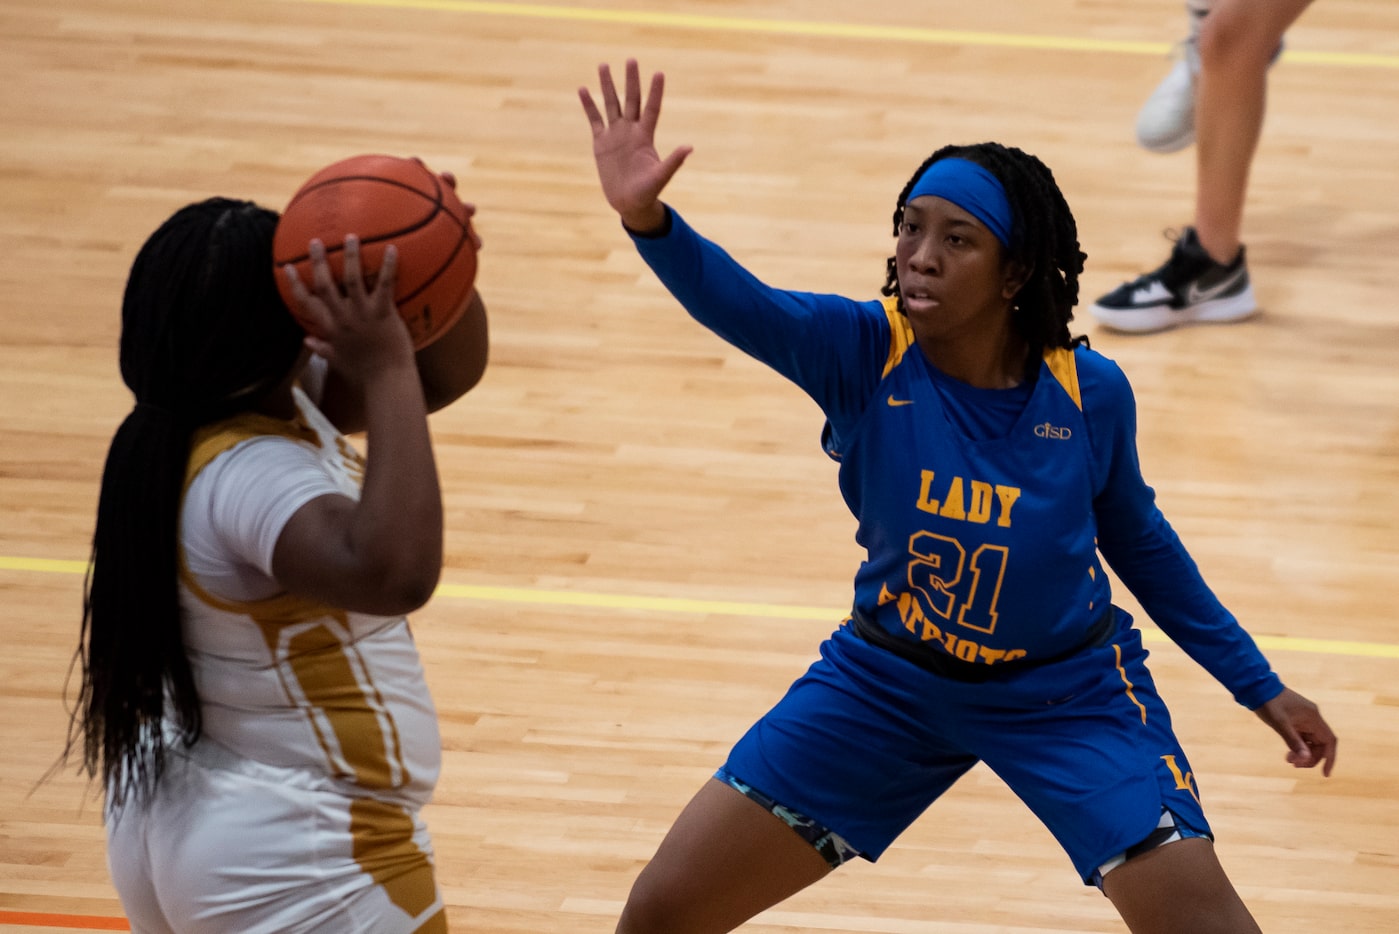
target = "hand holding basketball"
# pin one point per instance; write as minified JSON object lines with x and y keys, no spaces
{"x":353,"y":325}
{"x":383,"y":200}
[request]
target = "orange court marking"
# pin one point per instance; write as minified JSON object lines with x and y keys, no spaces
{"x":45,"y":920}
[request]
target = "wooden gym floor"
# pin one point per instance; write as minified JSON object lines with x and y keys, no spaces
{"x":645,"y":542}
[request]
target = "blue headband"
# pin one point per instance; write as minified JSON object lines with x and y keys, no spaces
{"x":973,"y":189}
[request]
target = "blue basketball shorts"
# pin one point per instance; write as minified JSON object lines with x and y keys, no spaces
{"x":865,"y":741}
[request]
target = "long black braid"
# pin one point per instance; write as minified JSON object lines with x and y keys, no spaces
{"x":204,"y":335}
{"x":1044,"y":240}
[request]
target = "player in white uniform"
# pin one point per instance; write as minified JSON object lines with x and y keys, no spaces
{"x":256,"y":707}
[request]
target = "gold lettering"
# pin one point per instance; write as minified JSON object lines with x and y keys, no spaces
{"x":1007,"y":495}
{"x":1184,"y":781}
{"x":907,"y":609}
{"x":967,"y":649}
{"x":952,"y":507}
{"x":991,"y":655}
{"x":979,"y":510}
{"x":915,"y":620}
{"x":955,"y":505}
{"x":924,"y":503}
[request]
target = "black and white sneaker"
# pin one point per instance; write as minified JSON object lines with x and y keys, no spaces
{"x":1189,"y":287}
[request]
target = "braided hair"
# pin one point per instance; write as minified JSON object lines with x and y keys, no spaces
{"x":1044,"y":240}
{"x":205,"y":334}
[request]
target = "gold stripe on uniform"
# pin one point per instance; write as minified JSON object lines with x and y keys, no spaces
{"x":1061,"y":363}
{"x":900,"y":334}
{"x":384,"y":849}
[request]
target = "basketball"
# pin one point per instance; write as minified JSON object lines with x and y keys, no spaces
{"x":382,"y":200}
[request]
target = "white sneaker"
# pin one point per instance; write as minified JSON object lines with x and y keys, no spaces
{"x":1166,"y":122}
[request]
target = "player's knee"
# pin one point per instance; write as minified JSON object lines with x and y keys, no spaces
{"x":653,"y":909}
{"x":1233,"y":41}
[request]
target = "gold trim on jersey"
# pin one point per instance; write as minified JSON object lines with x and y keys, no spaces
{"x":330,"y":680}
{"x":1064,"y":366}
{"x":1060,"y":360}
{"x":212,"y":440}
{"x":1131,"y":694}
{"x":384,"y":849}
{"x":437,"y":924}
{"x":900,"y":334}
{"x":209,"y":442}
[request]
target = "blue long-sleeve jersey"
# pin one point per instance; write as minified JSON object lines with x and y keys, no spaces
{"x":982,"y":512}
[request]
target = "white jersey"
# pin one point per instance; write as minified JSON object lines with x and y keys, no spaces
{"x":297,"y":810}
{"x":283,"y":680}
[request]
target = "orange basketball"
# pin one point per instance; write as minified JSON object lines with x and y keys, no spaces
{"x":383,"y":200}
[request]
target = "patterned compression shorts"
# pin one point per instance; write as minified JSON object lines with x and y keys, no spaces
{"x":836,"y":850}
{"x":831,"y":845}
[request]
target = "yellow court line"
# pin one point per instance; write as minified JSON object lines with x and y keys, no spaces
{"x":1302,"y":644}
{"x":686,"y":606}
{"x":830,"y":30}
{"x":617,"y":601}
{"x":42,"y":565}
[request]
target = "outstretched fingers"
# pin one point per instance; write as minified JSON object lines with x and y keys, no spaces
{"x":353,"y":270}
{"x":610,"y":104}
{"x":386,"y":281}
{"x":312,"y":310}
{"x":630,"y":106}
{"x":633,"y":90}
{"x":672,"y":163}
{"x":651,"y":115}
{"x":322,"y":281}
{"x":595,"y":121}
{"x":314,"y":301}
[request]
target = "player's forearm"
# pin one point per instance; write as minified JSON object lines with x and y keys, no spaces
{"x":398,"y":525}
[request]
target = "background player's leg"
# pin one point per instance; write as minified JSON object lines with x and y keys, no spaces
{"x":1237,"y":43}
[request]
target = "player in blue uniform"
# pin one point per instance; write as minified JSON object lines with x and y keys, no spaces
{"x":989,"y":459}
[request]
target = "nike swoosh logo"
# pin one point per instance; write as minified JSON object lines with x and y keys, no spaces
{"x":1194,"y":295}
{"x":893,"y":403}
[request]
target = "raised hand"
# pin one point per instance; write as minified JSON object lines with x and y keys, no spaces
{"x":632,"y":172}
{"x":382,"y":553}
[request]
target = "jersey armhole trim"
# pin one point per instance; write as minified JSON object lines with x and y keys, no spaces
{"x":209,"y":442}
{"x":1064,"y":366}
{"x":900,"y":335}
